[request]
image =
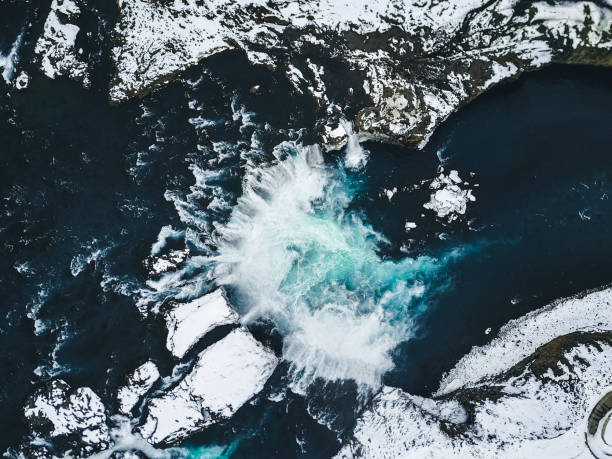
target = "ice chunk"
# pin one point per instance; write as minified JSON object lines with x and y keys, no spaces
{"x":189,"y":322}
{"x":225,"y":376}
{"x":448,"y":200}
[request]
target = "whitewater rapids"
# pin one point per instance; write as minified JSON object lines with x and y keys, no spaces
{"x":295,"y":255}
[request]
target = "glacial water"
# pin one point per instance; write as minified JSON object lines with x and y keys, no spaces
{"x":294,"y":254}
{"x":313,"y":247}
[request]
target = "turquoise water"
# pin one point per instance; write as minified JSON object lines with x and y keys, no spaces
{"x":294,"y":254}
{"x":314,"y":253}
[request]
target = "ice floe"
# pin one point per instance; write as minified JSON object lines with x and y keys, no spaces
{"x":448,"y":199}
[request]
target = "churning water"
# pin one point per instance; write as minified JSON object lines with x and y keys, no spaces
{"x":294,"y":254}
{"x":332,"y":252}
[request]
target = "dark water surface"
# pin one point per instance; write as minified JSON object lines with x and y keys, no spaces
{"x":83,"y":190}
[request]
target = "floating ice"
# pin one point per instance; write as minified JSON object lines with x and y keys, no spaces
{"x":538,"y":409}
{"x":448,"y":200}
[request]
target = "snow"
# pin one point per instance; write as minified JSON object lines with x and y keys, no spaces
{"x":527,"y":414}
{"x":55,"y":49}
{"x":521,"y":337}
{"x":22,"y":81}
{"x":167,"y":262}
{"x":70,"y":412}
{"x":532,"y":418}
{"x":448,"y":200}
{"x":225,"y":376}
{"x":441,"y":39}
{"x":138,"y":384}
{"x":189,"y":322}
{"x":333,"y":137}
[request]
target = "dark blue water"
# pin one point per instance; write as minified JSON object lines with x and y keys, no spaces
{"x":78,"y":177}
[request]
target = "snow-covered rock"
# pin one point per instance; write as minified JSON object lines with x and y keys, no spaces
{"x":448,"y":199}
{"x":56,"y":48}
{"x":167,"y":262}
{"x":522,"y":399}
{"x":225,"y":376}
{"x":524,"y":413}
{"x":189,"y":322}
{"x":138,"y":384}
{"x":521,"y":337}
{"x":22,"y":81}
{"x":409,"y":64}
{"x":57,"y":411}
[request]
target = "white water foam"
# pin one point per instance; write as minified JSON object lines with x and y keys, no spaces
{"x":356,"y":157}
{"x":294,"y":255}
{"x":8,"y":62}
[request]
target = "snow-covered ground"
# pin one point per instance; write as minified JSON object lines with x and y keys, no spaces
{"x":188,"y":322}
{"x":225,"y":376}
{"x":138,"y":384}
{"x":437,"y":56}
{"x":529,"y":393}
{"x":65,"y":411}
{"x":56,"y":47}
{"x":521,"y":337}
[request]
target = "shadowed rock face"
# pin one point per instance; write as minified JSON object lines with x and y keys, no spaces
{"x":399,"y":68}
